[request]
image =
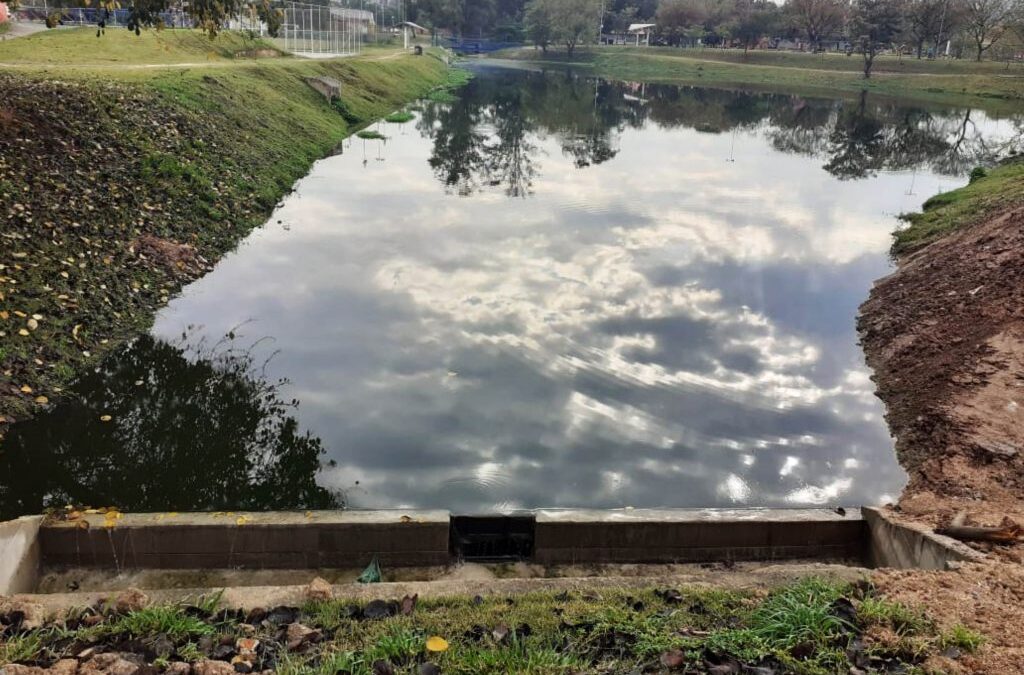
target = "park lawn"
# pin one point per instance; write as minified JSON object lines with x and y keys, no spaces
{"x":80,"y":46}
{"x":984,"y":85}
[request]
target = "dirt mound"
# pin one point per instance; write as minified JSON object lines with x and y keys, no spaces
{"x":988,"y":597}
{"x":945,"y":337}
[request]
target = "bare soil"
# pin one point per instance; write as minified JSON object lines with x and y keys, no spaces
{"x":944,"y":335}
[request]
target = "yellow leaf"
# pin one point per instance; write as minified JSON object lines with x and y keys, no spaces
{"x":25,"y":389}
{"x":242,"y":520}
{"x":23,"y":332}
{"x":437,"y":644}
{"x":105,"y":418}
{"x":4,"y":315}
{"x":42,"y":400}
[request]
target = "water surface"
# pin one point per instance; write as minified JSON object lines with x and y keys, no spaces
{"x":555,"y":291}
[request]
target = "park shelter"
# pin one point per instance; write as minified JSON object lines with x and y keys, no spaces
{"x":408,"y":30}
{"x":641,"y":31}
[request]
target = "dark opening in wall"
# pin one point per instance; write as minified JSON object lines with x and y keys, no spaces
{"x":492,"y":538}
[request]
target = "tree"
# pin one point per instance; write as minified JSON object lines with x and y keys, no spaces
{"x":540,"y":23}
{"x":565,"y":21}
{"x":926,"y":20}
{"x":817,"y":19}
{"x":874,"y":24}
{"x":575,"y":20}
{"x":677,"y":19}
{"x":754,"y":20}
{"x":985,"y":21}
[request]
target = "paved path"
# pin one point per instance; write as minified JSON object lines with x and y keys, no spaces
{"x":21,"y":29}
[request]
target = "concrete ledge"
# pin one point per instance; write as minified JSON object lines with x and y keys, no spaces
{"x":696,"y":535}
{"x":249,"y":540}
{"x":247,"y":597}
{"x":19,"y":555}
{"x":906,"y":546}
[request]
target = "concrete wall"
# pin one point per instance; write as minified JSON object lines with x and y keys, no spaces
{"x":323,"y":539}
{"x":351,"y":539}
{"x":905,"y":546}
{"x":19,"y":555}
{"x":696,"y":535}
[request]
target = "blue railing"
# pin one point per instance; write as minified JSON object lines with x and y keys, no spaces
{"x":461,"y":45}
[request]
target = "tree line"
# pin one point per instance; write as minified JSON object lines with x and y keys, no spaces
{"x":868,"y":27}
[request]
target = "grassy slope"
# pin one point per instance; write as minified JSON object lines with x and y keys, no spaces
{"x":113,"y":152}
{"x":810,"y":627}
{"x":988,"y":85}
{"x":1001,"y":188}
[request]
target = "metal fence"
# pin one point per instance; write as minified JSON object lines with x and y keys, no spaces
{"x":91,"y":16}
{"x":319,"y":30}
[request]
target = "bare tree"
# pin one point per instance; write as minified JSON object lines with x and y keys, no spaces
{"x":985,"y":21}
{"x":817,"y":19}
{"x":926,"y":20}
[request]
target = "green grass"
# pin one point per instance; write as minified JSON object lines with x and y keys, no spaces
{"x":119,"y":46}
{"x":963,"y":638}
{"x":998,"y":189}
{"x":20,"y":648}
{"x":794,"y":629}
{"x":221,"y":141}
{"x":989,"y":85}
{"x":371,"y":135}
{"x":171,"y":621}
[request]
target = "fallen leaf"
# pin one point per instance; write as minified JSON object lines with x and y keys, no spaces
{"x":437,"y":644}
{"x":42,"y":400}
{"x":105,"y":418}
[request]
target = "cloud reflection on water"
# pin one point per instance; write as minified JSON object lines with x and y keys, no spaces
{"x":607,"y":300}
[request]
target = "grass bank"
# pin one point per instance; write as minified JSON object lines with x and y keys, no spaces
{"x":989,"y":193}
{"x":993,"y":86}
{"x":813,"y":626}
{"x":129,"y":165}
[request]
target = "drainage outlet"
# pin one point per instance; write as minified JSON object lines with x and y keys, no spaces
{"x":492,"y":538}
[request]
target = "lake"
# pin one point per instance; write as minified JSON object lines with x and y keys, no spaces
{"x":553,"y":291}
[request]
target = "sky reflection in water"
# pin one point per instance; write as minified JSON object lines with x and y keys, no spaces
{"x":615,"y":296}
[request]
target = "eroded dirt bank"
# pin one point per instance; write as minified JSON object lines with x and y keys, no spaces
{"x":945,"y":338}
{"x":944,"y":335}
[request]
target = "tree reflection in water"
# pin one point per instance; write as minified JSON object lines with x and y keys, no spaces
{"x":486,"y":139}
{"x":183,"y":434}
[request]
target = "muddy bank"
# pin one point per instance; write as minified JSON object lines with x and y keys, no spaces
{"x":944,"y":335}
{"x":115,"y":194}
{"x":945,"y":338}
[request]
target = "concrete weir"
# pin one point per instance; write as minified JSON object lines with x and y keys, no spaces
{"x":323,"y":540}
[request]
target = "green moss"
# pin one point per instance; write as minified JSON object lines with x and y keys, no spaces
{"x":400,"y":117}
{"x":371,"y":135}
{"x":986,"y":195}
